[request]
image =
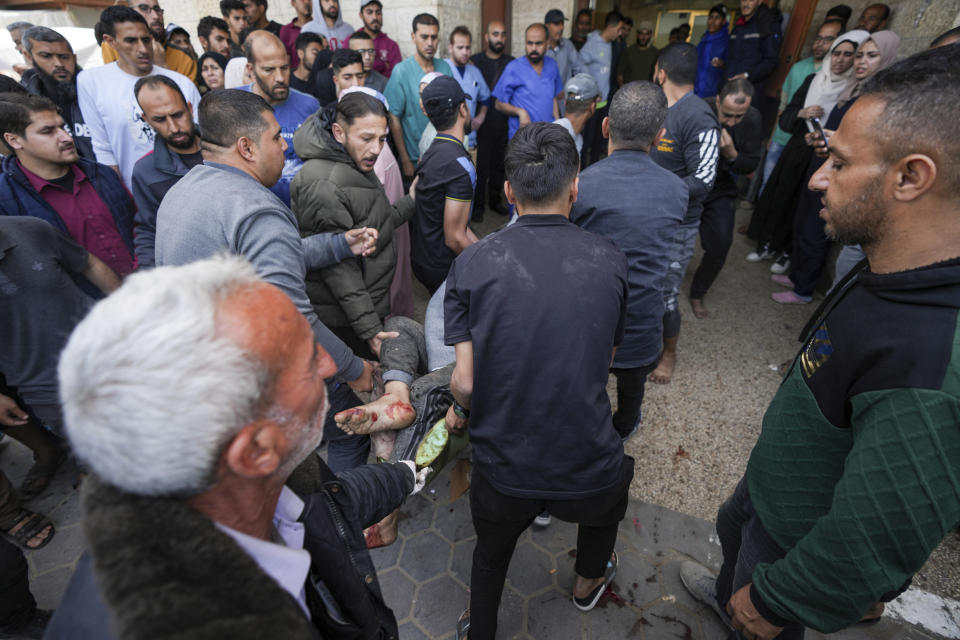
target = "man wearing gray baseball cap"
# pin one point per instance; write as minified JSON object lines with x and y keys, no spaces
{"x":561,"y":49}
{"x":580,"y":95}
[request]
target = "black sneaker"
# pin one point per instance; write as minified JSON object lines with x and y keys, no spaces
{"x":32,"y":629}
{"x":589,"y":602}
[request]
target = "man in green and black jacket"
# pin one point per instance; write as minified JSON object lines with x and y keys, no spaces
{"x":855,"y":478}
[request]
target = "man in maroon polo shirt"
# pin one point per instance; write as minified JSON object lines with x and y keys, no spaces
{"x":289,"y":32}
{"x":46,"y":178}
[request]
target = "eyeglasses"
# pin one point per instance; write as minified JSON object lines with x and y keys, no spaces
{"x":825,"y":38}
{"x":145,"y":8}
{"x":366,"y":52}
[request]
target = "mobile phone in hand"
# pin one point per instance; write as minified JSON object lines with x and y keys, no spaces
{"x":819,"y":129}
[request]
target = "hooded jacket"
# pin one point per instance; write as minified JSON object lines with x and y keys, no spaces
{"x":153,"y":175}
{"x":65,"y":97}
{"x":159,"y":569}
{"x":854,"y":474}
{"x":330,"y":194}
{"x":337,"y":36}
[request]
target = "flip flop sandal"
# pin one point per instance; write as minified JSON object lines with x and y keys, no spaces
{"x":39,"y":476}
{"x":26,"y":526}
{"x":463,"y":625}
{"x":592,"y":598}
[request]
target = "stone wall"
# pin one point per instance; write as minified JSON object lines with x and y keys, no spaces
{"x":528,"y":12}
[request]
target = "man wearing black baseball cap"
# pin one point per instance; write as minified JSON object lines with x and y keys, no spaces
{"x":444,"y":193}
{"x":561,"y":49}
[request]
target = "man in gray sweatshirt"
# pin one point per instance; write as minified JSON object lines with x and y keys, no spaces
{"x":225,"y":205}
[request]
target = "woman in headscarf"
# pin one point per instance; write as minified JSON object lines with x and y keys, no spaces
{"x":236,"y":74}
{"x":810,"y":243}
{"x":772,"y":219}
{"x":212,"y":69}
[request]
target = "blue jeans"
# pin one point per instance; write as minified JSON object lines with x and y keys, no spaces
{"x":344,"y":451}
{"x":681,"y":251}
{"x":745,"y":544}
{"x":849,"y":256}
{"x":773,"y":154}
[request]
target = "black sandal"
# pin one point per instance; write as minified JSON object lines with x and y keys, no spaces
{"x":27,"y":525}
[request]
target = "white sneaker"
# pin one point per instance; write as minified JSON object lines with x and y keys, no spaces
{"x":759,"y":256}
{"x":543,"y":520}
{"x":782,"y":265}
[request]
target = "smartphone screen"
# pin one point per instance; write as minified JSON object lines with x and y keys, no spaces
{"x":819,"y":128}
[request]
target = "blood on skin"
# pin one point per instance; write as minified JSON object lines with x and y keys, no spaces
{"x":373,"y":416}
{"x":397,"y":407}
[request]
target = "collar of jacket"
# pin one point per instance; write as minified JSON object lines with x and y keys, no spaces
{"x":165,"y":570}
{"x":167,"y":161}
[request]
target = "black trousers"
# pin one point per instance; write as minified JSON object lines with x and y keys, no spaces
{"x":491,"y":148}
{"x":716,"y":237}
{"x":500,"y":519}
{"x":810,"y":242}
{"x":631,"y":384}
{"x":17,"y":605}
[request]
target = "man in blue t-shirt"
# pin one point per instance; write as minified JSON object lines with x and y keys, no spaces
{"x":530,"y":87}
{"x":269,"y":63}
{"x":407,"y":120}
{"x":470,"y":79}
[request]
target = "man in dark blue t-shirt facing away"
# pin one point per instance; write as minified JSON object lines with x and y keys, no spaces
{"x":535,"y":312}
{"x":446,"y":180}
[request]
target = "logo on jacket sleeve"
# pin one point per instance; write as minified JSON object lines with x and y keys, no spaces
{"x":816,"y":352}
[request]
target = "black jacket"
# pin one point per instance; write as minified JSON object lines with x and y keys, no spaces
{"x":64,"y":95}
{"x":153,"y":175}
{"x":747,"y":138}
{"x":156,"y":568}
{"x":755,"y":46}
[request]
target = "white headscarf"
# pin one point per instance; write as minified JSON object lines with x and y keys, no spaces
{"x":826,"y":87}
{"x":233,"y":74}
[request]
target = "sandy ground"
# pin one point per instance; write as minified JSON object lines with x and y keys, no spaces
{"x":698,"y":431}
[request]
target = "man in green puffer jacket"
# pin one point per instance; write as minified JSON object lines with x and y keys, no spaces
{"x":337,"y":189}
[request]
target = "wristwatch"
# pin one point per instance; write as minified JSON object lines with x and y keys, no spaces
{"x":460,"y":410}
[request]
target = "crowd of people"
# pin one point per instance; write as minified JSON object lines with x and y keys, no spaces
{"x":205,"y":258}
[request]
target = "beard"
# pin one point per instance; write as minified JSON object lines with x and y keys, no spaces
{"x":496,"y":47}
{"x":534,"y":57}
{"x":182,"y":144}
{"x":468,"y":127}
{"x":858,"y":221}
{"x":64,"y":92}
{"x":332,"y":13}
{"x":310,"y":432}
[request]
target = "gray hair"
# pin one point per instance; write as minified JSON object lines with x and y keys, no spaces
{"x":637,"y":112}
{"x":13,"y":26}
{"x":41,"y":34}
{"x":151,"y":393}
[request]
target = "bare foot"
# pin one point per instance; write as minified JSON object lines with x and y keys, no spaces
{"x":382,"y":443}
{"x":383,"y":533}
{"x":699,"y":310}
{"x":383,"y":414}
{"x":664,"y":371}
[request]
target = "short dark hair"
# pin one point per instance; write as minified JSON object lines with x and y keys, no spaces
{"x":946,"y":35}
{"x":886,"y":9}
{"x":460,"y":30}
{"x":737,"y":87}
{"x":920,"y":96}
{"x":637,"y":112}
{"x":16,"y":109}
{"x":208,"y":23}
{"x":572,"y":106}
{"x":226,"y":6}
{"x":837,"y":21}
{"x":361,"y":35}
{"x":262,"y":3}
{"x":307,"y":38}
{"x":627,"y":20}
{"x":541,"y":162}
{"x":344,"y":58}
{"x":720,"y":9}
{"x":41,"y":34}
{"x":614,"y":17}
{"x":841,"y":11}
{"x":426,"y":19}
{"x":679,"y":61}
{"x":117,"y":14}
{"x":357,"y":105}
{"x":586,"y":11}
{"x":156,"y":81}
{"x":226,"y":115}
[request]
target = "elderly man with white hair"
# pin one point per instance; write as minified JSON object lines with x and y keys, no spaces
{"x":192,"y":394}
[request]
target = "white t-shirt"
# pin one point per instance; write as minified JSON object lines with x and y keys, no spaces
{"x":119,"y":136}
{"x":577,"y":138}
